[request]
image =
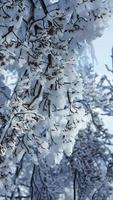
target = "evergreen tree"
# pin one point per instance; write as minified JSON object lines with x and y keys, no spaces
{"x":48,"y":115}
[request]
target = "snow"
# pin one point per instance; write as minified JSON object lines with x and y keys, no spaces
{"x":10,"y":79}
{"x":54,"y":1}
{"x":46,"y":112}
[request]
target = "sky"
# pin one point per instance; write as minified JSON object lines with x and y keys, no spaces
{"x":103,"y":46}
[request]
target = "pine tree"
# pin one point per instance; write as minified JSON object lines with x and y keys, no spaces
{"x":48,"y":107}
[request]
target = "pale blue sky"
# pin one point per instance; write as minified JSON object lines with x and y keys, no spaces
{"x":103,"y":53}
{"x":103,"y":46}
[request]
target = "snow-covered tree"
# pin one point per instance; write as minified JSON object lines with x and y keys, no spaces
{"x":44,"y":41}
{"x":92,"y":165}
